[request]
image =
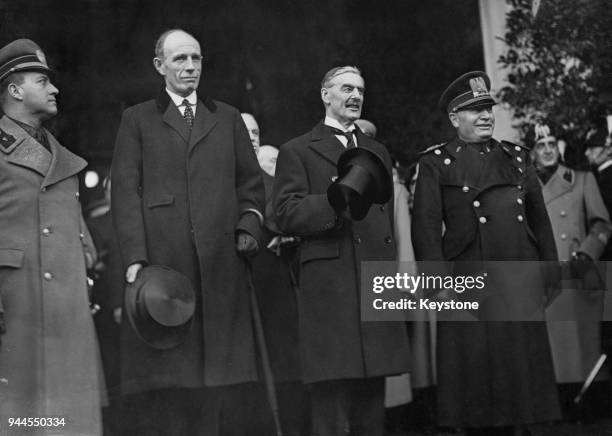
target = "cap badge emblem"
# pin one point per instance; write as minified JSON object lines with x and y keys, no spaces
{"x":479,"y":88}
{"x":41,"y":57}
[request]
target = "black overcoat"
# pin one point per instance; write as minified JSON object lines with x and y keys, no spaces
{"x":178,"y":198}
{"x":334,"y":342}
{"x":490,"y":203}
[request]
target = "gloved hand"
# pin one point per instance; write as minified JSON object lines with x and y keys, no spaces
{"x":580,"y":264}
{"x":246,"y":245}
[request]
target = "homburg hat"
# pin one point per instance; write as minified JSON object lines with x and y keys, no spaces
{"x":160,"y":305}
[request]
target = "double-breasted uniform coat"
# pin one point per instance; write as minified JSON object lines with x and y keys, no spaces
{"x":334,"y":342}
{"x":49,"y":353}
{"x":490,"y":202}
{"x":580,"y":223}
{"x":178,"y":199}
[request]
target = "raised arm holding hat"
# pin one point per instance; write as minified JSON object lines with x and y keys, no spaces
{"x":344,"y":360}
{"x":492,"y":376}
{"x":49,"y":352}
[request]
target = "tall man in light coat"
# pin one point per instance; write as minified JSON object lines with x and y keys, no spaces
{"x":187,"y":193}
{"x":581,"y":226}
{"x":344,"y":360}
{"x":48,"y":351}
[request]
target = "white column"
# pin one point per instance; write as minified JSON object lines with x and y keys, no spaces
{"x":493,"y":25}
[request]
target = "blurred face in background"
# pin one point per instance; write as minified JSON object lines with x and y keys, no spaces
{"x":253,"y":129}
{"x":267,"y":159}
{"x":546,"y":152}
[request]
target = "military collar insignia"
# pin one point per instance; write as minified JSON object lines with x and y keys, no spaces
{"x":568,"y":175}
{"x":7,"y":142}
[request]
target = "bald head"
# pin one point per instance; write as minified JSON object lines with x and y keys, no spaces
{"x":367,"y":127}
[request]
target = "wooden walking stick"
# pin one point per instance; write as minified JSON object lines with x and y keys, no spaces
{"x":263,"y":351}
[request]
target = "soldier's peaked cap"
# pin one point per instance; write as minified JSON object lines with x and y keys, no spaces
{"x":22,"y":55}
{"x":470,"y":91}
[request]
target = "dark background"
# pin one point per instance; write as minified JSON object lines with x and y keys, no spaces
{"x":266,"y":57}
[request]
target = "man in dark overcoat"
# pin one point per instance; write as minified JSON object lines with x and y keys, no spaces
{"x":187,"y":193}
{"x":343,"y":359}
{"x":492,"y":376}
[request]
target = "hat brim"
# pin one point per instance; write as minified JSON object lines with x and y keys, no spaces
{"x":146,"y":328}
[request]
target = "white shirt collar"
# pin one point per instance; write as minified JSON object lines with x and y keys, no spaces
{"x":331,"y":122}
{"x":178,"y":100}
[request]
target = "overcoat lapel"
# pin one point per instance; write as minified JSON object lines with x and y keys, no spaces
{"x":172,"y":117}
{"x":64,"y":163}
{"x":326,"y":144}
{"x":557,"y":185}
{"x":203,"y":123}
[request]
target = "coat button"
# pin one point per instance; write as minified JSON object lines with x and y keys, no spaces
{"x":48,"y":276}
{"x":77,"y":194}
{"x":482,"y":219}
{"x":518,"y":159}
{"x":43,"y":190}
{"x":520,"y":218}
{"x":563,"y":213}
{"x":82,"y":235}
{"x":447,"y":161}
{"x":563,"y":236}
{"x":517,"y":148}
{"x":519,"y":200}
{"x":465,"y":189}
{"x":357,"y":240}
{"x":520,"y":170}
{"x":46,"y":231}
{"x":476,"y":203}
{"x":519,"y":187}
{"x":388,"y":240}
{"x":437,"y":151}
{"x":382,"y":208}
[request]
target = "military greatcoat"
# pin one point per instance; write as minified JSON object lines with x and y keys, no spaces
{"x":49,"y":353}
{"x":580,"y":223}
{"x":489,"y":201}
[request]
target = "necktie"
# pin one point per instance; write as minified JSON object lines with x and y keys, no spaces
{"x":188,"y":114}
{"x":348,"y":135}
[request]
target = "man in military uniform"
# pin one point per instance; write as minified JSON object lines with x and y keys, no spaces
{"x":48,"y":352}
{"x":493,"y":377}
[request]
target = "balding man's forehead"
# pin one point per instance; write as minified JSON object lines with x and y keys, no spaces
{"x":347,"y":77}
{"x":183,"y":41}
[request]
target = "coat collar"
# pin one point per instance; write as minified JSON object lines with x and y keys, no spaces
{"x":203,"y":123}
{"x":562,"y":181}
{"x":328,"y":146}
{"x":25,"y":151}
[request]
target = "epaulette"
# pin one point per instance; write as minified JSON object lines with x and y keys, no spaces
{"x":432,"y":148}
{"x":513,"y":149}
{"x":6,"y":141}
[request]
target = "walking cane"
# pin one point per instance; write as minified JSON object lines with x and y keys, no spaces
{"x":590,"y":378}
{"x":263,"y":351}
